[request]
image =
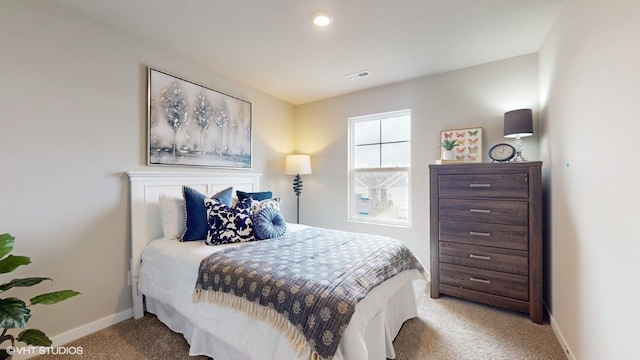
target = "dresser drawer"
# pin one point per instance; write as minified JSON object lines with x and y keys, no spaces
{"x":484,"y":185}
{"x":483,"y":257}
{"x":485,"y":211}
{"x":487,"y":281}
{"x":497,"y":235}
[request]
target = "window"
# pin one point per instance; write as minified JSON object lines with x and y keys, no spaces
{"x":379,"y":168}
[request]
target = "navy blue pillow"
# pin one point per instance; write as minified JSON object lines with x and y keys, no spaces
{"x":254,"y":195}
{"x":195,"y":216}
{"x":268,"y":223}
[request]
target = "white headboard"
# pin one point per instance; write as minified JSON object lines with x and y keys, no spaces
{"x":145,"y":189}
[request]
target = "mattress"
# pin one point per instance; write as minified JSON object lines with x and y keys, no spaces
{"x":168,"y":275}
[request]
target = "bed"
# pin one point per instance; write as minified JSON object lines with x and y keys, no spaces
{"x":164,"y":271}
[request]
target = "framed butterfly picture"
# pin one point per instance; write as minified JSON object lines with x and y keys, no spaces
{"x":468,"y":146}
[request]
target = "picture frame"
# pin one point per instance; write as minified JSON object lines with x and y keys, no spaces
{"x":193,"y":125}
{"x":468,"y":143}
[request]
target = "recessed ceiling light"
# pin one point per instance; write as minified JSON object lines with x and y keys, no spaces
{"x":321,"y":19}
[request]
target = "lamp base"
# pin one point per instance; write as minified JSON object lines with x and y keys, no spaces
{"x":297,"y":189}
{"x":297,"y":184}
{"x":519,"y":157}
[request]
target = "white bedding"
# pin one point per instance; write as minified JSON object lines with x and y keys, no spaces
{"x":167,"y":278}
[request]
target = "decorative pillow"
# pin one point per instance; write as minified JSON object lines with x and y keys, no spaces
{"x":229,"y":224}
{"x":171,"y":216}
{"x":254,"y":195}
{"x":259,"y":205}
{"x":268,"y":223}
{"x":195,"y":213}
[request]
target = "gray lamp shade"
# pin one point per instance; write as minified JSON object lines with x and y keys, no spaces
{"x":518,"y":123}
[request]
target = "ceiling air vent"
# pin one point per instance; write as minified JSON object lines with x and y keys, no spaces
{"x":358,"y":75}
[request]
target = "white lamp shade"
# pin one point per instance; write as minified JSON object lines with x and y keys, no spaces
{"x":297,"y":164}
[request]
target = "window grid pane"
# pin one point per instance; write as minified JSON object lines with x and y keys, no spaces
{"x":396,"y":155}
{"x":367,"y":132}
{"x":367,"y":156}
{"x":395,"y":129}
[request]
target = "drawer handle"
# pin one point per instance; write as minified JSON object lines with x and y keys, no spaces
{"x":481,"y":257}
{"x":480,"y":280}
{"x":479,"y":185}
{"x":474,"y":233}
{"x":484,"y":211}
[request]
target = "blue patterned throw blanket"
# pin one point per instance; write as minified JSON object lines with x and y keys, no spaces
{"x":306,"y":284}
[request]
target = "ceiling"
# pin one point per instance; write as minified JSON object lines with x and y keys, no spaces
{"x":272,"y":45}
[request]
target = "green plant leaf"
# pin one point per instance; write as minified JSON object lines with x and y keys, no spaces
{"x":448,"y":144}
{"x":11,"y":262}
{"x":25,"y":282}
{"x":13,"y":313}
{"x":54,"y":297}
{"x":6,"y":244}
{"x":34,"y":337}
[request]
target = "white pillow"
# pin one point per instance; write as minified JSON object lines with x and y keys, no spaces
{"x":172,"y":216}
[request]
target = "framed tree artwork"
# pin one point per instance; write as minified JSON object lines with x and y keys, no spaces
{"x":192,"y":125}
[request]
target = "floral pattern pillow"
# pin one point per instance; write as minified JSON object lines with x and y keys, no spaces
{"x":229,"y":224}
{"x":257,"y":205}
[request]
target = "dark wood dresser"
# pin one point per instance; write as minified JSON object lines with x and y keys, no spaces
{"x":486,"y":234}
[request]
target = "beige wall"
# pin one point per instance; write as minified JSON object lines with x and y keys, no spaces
{"x":73,"y":120}
{"x":471,"y":97}
{"x":590,"y":87}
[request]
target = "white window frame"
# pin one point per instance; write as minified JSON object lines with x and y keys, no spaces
{"x":351,"y":171}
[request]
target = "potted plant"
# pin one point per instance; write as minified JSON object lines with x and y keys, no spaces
{"x":15,"y":313}
{"x":448,"y":145}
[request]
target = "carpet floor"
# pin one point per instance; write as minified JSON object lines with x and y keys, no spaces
{"x":446,"y":328}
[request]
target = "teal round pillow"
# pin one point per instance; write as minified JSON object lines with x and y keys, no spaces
{"x":268,"y":223}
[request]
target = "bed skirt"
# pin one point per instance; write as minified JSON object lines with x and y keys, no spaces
{"x":375,"y":343}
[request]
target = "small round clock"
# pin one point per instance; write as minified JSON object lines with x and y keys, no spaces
{"x":502,"y":152}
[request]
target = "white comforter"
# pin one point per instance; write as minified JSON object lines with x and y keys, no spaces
{"x":167,"y":278}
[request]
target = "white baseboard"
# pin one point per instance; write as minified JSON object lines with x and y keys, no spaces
{"x":565,"y":347}
{"x":90,"y":328}
{"x":82,"y":331}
